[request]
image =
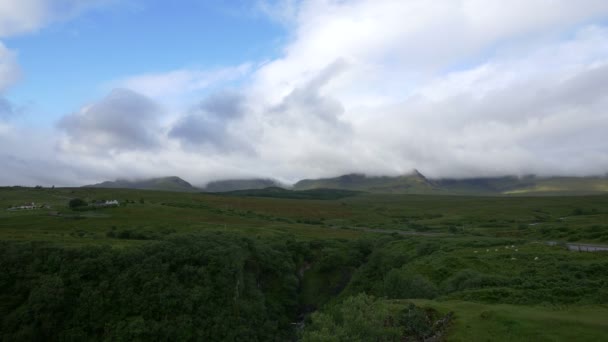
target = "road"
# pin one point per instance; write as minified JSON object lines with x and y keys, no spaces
{"x":581,"y":247}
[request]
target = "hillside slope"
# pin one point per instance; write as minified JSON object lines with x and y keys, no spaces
{"x":240,"y":184}
{"x":172,"y":183}
{"x":416,"y":183}
{"x":411,"y":183}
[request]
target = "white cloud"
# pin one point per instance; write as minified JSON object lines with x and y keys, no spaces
{"x":24,"y":16}
{"x":519,"y":80}
{"x":9,"y":69}
{"x":122,"y":121}
{"x":182,"y":82}
{"x":282,"y":11}
{"x":452,"y":88}
{"x":397,"y":44}
{"x":10,"y":73}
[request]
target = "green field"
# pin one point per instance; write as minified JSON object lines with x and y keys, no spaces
{"x":503,"y":322}
{"x":220,"y":267}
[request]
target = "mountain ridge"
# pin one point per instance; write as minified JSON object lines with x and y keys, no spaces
{"x":414,"y":182}
{"x":170,"y":183}
{"x":226,"y":185}
{"x":411,"y":183}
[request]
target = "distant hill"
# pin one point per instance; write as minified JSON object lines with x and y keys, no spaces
{"x":487,"y":185}
{"x":164,"y":183}
{"x":274,"y":192}
{"x":413,"y":183}
{"x":416,"y":183}
{"x":410,"y":183}
{"x":562,"y":186}
{"x":240,"y":184}
{"x":528,"y":185}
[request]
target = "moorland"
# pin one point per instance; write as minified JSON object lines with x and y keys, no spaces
{"x":312,"y":265}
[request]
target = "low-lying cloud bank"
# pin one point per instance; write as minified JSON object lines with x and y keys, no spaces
{"x":455,"y":89}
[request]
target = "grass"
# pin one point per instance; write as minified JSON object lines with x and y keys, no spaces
{"x":503,"y":322}
{"x":497,"y":293}
{"x":567,"y":219}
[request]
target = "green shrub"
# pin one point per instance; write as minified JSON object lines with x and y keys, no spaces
{"x":417,"y":323}
{"x":358,"y":318}
{"x":399,"y":283}
{"x":470,"y":279}
{"x":76,"y":203}
{"x":426,"y":248}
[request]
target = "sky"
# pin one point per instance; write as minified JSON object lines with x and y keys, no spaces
{"x":289,"y":89}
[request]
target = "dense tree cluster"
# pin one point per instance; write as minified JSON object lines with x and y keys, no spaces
{"x":230,"y":286}
{"x":205,"y":287}
{"x":363,"y":318}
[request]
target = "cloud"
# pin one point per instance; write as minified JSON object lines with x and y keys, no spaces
{"x":210,"y":124}
{"x":499,"y":119}
{"x":24,"y":16}
{"x":281,"y":11}
{"x":9,"y":70}
{"x":232,"y":122}
{"x":10,"y":73}
{"x":395,"y":46}
{"x":37,"y":162}
{"x":124,"y":120}
{"x":307,"y":111}
{"x":457,"y":88}
{"x":183,"y":81}
{"x":6,"y":108}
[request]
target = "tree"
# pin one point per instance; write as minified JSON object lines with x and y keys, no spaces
{"x":76,"y":202}
{"x":400,"y":283}
{"x":358,"y":318}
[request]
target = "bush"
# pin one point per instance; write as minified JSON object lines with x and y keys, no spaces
{"x":76,"y":203}
{"x":417,"y":323}
{"x":401,"y":284}
{"x":426,"y":248}
{"x":469,"y":279}
{"x":358,"y":318}
{"x":364,"y":318}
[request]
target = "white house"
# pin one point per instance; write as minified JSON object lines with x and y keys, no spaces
{"x":26,"y":206}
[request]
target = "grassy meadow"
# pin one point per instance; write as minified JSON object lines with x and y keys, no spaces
{"x":221,"y":267}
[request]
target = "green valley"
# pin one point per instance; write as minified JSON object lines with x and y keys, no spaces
{"x":276,"y":264}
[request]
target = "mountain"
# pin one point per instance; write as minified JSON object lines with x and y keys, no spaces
{"x":164,"y":183}
{"x":563,"y":185}
{"x":240,"y":184}
{"x":410,"y":183}
{"x":413,"y":183}
{"x":416,"y":183}
{"x":485,"y":185}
